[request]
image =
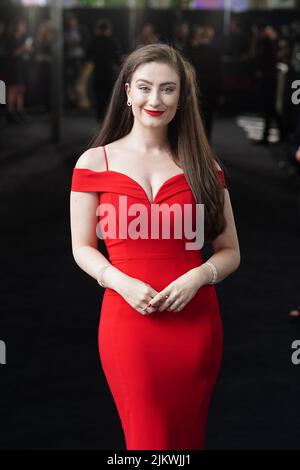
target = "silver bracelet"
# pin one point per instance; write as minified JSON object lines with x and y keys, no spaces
{"x":100,"y":275}
{"x":214,"y":271}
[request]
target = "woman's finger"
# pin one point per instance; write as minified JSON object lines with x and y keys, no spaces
{"x":175,"y":305}
{"x":179,"y":308}
{"x":157,"y":300}
{"x":166,"y":303}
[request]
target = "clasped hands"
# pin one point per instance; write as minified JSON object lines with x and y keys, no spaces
{"x":172,"y":298}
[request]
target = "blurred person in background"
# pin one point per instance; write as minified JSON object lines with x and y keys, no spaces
{"x":148,"y":35}
{"x":295,"y":46}
{"x":180,"y":36}
{"x":236,"y":45}
{"x":105,"y":53}
{"x":19,"y":48}
{"x":284,"y":51}
{"x":43,"y":50}
{"x":74,"y":54}
{"x":266,"y":58}
{"x":207,"y":62}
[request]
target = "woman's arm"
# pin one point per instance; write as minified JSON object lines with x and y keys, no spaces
{"x":83,"y":219}
{"x":226,"y":257}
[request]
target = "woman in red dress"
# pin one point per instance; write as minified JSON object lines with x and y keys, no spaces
{"x":142,"y":187}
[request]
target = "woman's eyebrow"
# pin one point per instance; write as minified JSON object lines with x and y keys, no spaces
{"x":147,"y":81}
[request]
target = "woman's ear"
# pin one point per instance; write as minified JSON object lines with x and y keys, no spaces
{"x":127,"y":88}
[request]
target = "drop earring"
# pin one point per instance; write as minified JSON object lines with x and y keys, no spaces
{"x":128,"y":103}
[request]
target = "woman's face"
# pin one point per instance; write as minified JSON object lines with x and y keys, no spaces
{"x":154,"y":86}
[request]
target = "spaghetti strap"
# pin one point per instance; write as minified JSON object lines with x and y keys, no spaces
{"x":105,"y":157}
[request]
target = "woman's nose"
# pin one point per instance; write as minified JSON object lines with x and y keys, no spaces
{"x":154,"y":98}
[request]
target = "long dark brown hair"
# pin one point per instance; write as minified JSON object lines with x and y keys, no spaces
{"x":189,"y":146}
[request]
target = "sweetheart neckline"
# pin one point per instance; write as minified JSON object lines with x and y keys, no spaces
{"x":136,"y":182}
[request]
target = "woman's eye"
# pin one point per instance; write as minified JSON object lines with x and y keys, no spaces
{"x":168,"y":90}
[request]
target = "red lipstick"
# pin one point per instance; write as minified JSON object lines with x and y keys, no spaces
{"x":154,"y":113}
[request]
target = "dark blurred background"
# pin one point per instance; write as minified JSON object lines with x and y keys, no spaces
{"x":58,"y":63}
{"x":246,"y":56}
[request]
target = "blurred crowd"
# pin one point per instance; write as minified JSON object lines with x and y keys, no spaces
{"x":246,"y":70}
{"x":241,"y":71}
{"x":230,"y":70}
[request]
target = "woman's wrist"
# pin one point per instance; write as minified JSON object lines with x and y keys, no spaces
{"x":100,"y":275}
{"x":111,"y":277}
{"x":203,"y":274}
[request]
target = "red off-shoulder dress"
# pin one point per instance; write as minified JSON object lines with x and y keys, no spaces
{"x":161,"y":368}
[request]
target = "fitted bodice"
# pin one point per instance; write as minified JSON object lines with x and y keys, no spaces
{"x":131,"y":225}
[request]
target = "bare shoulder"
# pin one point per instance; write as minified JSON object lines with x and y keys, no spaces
{"x":218,"y":166}
{"x":92,"y":159}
